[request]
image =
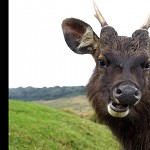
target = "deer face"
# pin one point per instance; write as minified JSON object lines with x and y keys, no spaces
{"x":122,"y":63}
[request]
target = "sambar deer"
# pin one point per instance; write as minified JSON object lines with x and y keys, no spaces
{"x":119,"y":88}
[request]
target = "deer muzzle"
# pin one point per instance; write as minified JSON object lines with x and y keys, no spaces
{"x":124,"y":97}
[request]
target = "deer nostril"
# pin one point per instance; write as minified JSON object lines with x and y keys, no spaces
{"x":136,"y":93}
{"x":118,"y":91}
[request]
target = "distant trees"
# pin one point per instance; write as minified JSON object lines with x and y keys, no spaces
{"x":31,"y":93}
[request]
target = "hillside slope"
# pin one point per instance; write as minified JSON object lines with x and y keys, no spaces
{"x":37,"y":127}
{"x":78,"y":105}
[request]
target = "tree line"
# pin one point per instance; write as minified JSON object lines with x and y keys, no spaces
{"x":50,"y":93}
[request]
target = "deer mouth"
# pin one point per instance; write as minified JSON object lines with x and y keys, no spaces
{"x":117,"y":109}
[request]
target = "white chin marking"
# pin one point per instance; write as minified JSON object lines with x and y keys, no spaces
{"x":117,"y":113}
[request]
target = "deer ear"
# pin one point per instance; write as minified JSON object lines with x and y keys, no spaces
{"x":108,"y":36}
{"x":141,"y":38}
{"x":79,"y":36}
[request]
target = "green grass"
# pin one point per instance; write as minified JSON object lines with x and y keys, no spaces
{"x":77,"y":102}
{"x":78,"y":105}
{"x":38,"y":127}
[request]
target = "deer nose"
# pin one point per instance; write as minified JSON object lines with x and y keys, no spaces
{"x":127,"y":94}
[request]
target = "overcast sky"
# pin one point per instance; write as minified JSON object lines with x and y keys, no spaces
{"x":38,"y":54}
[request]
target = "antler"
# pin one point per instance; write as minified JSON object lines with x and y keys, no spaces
{"x":99,"y":16}
{"x":146,"y":25}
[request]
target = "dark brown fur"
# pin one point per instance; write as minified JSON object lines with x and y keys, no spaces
{"x":132,"y":131}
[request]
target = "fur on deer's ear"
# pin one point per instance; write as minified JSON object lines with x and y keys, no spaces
{"x":141,"y":37}
{"x":107,"y":36}
{"x":79,"y":36}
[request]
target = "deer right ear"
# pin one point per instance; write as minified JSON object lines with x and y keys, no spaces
{"x":79,"y":36}
{"x":141,"y":37}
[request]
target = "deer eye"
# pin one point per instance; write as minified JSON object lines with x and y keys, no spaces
{"x":146,"y":66}
{"x":102,"y":63}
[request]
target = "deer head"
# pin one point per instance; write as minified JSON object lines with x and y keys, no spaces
{"x":122,"y":63}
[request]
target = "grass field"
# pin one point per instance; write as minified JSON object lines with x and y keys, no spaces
{"x":36,"y":127}
{"x":78,"y":105}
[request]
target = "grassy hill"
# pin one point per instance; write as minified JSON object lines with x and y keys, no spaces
{"x":78,"y":105}
{"x":37,"y":127}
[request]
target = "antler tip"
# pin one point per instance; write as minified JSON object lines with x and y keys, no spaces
{"x":146,"y":25}
{"x":99,"y":16}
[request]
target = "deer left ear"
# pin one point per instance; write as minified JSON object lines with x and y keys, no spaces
{"x":79,"y":36}
{"x":141,"y":37}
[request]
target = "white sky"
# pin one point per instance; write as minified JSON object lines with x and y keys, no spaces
{"x":38,"y":54}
